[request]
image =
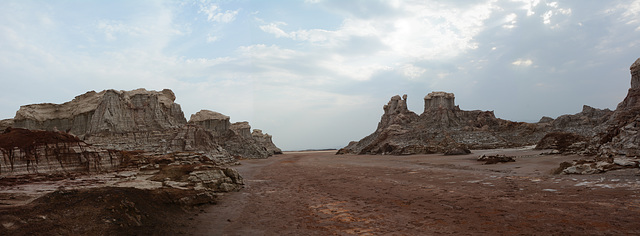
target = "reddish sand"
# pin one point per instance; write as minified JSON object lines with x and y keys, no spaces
{"x":318,"y":193}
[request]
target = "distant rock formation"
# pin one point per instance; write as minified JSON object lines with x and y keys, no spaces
{"x":235,"y":138}
{"x":442,"y":128}
{"x":144,"y":120}
{"x":439,"y":100}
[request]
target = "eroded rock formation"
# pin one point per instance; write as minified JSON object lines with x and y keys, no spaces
{"x":147,"y":121}
{"x":109,"y":111}
{"x":36,"y":151}
{"x":442,"y":128}
{"x":621,"y":135}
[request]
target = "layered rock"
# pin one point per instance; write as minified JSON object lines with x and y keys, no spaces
{"x":211,"y":121}
{"x":442,"y":128}
{"x":439,"y":100}
{"x":35,"y":151}
{"x":235,"y":138}
{"x":143,"y":120}
{"x":266,"y":141}
{"x":109,"y":111}
{"x":621,"y":135}
{"x":586,"y":123}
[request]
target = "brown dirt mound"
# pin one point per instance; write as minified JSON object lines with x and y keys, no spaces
{"x":98,"y":211}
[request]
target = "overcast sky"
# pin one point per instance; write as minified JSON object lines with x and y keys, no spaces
{"x":316,"y":73}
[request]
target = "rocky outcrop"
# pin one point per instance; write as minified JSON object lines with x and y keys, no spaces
{"x":109,"y":111}
{"x":442,"y":128}
{"x":586,"y":123}
{"x":216,"y":123}
{"x":144,"y":120}
{"x":236,"y":139}
{"x":242,"y":128}
{"x":439,"y":100}
{"x":563,"y":142}
{"x":266,"y":141}
{"x":35,"y":151}
{"x":6,"y":123}
{"x":621,"y":135}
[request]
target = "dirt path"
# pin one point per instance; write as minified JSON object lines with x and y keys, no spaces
{"x":318,"y":193}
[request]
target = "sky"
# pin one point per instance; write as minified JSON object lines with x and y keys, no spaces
{"x":316,"y":73}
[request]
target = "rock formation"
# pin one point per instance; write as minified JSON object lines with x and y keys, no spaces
{"x":36,"y":151}
{"x":266,"y":141}
{"x":442,"y":128}
{"x":621,"y":135}
{"x":109,"y":111}
{"x":147,"y":121}
{"x":439,"y":100}
{"x":216,"y":123}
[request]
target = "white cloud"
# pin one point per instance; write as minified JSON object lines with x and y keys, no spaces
{"x":522,"y":62}
{"x":211,"y":38}
{"x":412,"y":71}
{"x":215,"y":14}
{"x":529,"y":5}
{"x":444,"y":31}
{"x":510,"y":21}
{"x":631,"y":12}
{"x":273,"y":28}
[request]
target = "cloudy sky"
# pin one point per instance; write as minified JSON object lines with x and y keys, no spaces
{"x":316,"y":73}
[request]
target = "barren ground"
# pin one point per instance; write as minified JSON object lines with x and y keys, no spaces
{"x":319,"y":193}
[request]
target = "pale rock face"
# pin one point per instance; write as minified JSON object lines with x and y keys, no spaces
{"x":212,"y":121}
{"x":6,"y":123}
{"x":266,"y":141}
{"x":144,"y":120}
{"x":107,"y":111}
{"x":242,"y":128}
